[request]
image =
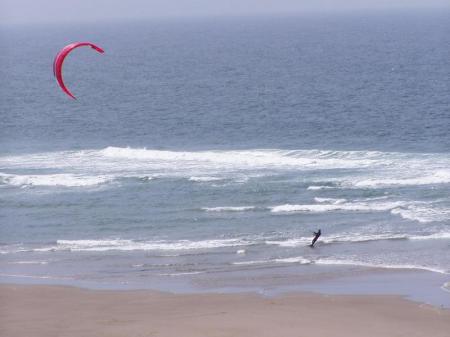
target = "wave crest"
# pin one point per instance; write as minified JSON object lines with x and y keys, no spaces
{"x":358,"y":237}
{"x":130,"y":245}
{"x":65,"y":180}
{"x":229,"y":209}
{"x":376,"y":265}
{"x":337,"y":206}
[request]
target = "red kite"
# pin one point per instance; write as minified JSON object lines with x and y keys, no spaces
{"x":59,"y":59}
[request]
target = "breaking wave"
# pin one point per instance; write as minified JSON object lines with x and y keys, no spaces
{"x":439,"y":177}
{"x":346,"y":262}
{"x":330,"y":200}
{"x":266,"y":158}
{"x":358,"y":237}
{"x":67,"y":180}
{"x":435,"y":236}
{"x":130,"y":245}
{"x":92,"y":167}
{"x":179,"y":245}
{"x":229,"y":209}
{"x":135,"y":158}
{"x":297,"y":259}
{"x":204,"y":179}
{"x":422,"y":214}
{"x":336,"y":206}
{"x":416,"y":211}
{"x":28,"y":262}
{"x":319,"y":187}
{"x":325,"y":261}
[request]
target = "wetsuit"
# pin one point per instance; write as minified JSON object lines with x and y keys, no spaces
{"x":316,"y":236}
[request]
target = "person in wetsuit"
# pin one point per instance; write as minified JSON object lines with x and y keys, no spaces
{"x":316,"y":236}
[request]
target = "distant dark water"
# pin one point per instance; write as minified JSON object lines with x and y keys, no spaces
{"x":343,"y":83}
{"x":219,"y":145}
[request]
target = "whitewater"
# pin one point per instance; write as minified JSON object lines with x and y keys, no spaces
{"x":362,"y":201}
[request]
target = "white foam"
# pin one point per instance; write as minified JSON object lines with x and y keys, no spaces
{"x":195,"y":164}
{"x":290,"y":243}
{"x":435,"y":236}
{"x":361,"y":237}
{"x":330,"y":200}
{"x":247,"y":158}
{"x":340,"y":238}
{"x":244,"y":263}
{"x":229,"y":209}
{"x":29,"y":262}
{"x":375,"y":169}
{"x":66,"y":180}
{"x":204,"y":179}
{"x":297,"y":259}
{"x":319,"y":187}
{"x":411,"y":210}
{"x":438,"y":177}
{"x":243,"y":159}
{"x":375,"y":265}
{"x":348,"y":262}
{"x":322,"y":208}
{"x":130,"y":245}
{"x":423,"y":214}
{"x":146,"y":178}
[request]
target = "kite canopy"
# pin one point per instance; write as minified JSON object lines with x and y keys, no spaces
{"x":59,"y":59}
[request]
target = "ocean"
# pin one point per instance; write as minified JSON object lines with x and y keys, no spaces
{"x":205,"y":150}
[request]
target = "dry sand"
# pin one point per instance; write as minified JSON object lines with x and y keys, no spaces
{"x":47,"y":311}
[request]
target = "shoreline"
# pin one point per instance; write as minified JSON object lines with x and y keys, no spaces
{"x":44,"y":310}
{"x":423,"y":287}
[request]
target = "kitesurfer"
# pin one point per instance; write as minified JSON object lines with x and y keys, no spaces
{"x":316,"y":236}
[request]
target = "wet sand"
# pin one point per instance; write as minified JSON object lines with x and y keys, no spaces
{"x":66,"y":311}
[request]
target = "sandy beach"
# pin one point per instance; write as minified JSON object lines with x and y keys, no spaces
{"x":66,"y":311}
